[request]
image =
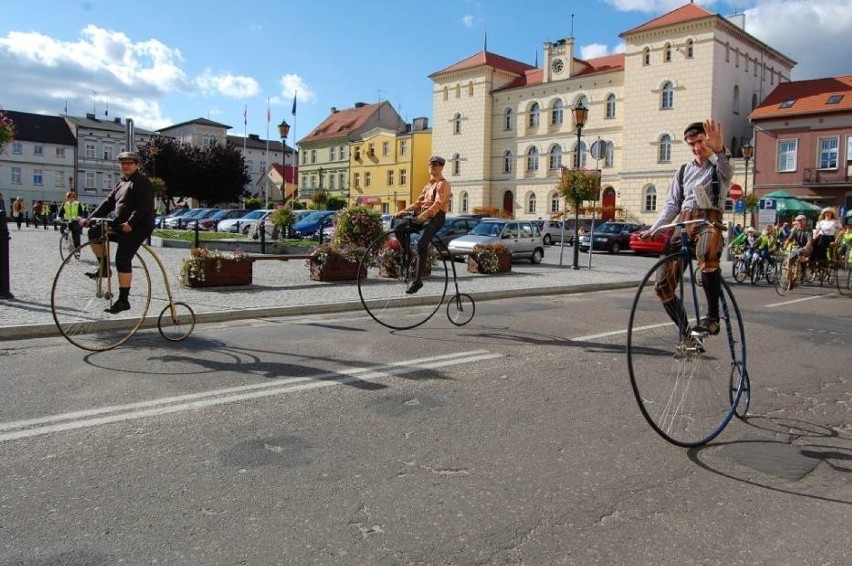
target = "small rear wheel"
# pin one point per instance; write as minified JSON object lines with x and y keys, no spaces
{"x":460,"y":309}
{"x":740,"y":270}
{"x":176,"y":326}
{"x":785,"y":277}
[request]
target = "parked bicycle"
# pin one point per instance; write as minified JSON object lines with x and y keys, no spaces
{"x":688,"y":384}
{"x":387,"y":268}
{"x":79,"y":304}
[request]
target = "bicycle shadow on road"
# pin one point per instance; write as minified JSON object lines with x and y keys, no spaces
{"x":808,"y":462}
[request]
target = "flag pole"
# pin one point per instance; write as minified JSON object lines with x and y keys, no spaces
{"x":295,"y":153}
{"x":266,"y":160}
{"x":245,"y":133}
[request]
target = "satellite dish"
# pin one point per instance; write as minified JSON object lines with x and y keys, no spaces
{"x":598,"y":149}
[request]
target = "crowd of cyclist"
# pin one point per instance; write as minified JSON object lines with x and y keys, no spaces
{"x":826,"y":242}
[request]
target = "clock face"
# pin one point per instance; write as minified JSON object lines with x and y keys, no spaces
{"x":557,"y":65}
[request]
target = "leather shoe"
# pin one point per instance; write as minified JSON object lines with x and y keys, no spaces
{"x":708,"y":325}
{"x":94,"y":274}
{"x":118,"y":306}
{"x":415,"y":286}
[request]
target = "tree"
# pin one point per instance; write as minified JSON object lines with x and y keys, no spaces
{"x":578,"y":185}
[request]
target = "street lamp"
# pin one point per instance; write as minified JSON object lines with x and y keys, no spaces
{"x":283,"y":130}
{"x":580,"y":114}
{"x":748,"y":152}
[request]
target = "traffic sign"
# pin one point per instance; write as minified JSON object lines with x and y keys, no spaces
{"x":736,"y":192}
{"x":767,"y":204}
{"x":739,"y":206}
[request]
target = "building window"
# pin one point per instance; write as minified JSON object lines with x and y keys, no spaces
{"x":667,"y":96}
{"x":356,"y":180}
{"x":508,"y":120}
{"x":787,"y":155}
{"x":650,"y":204}
{"x":16,"y":175}
{"x":470,"y":88}
{"x":507,"y":161}
{"x":534,"y":115}
{"x":582,"y":162}
{"x":554,"y":160}
{"x":368,"y":180}
{"x":667,"y":53}
{"x":735,"y":103}
{"x":610,"y":106}
{"x":250,"y":165}
{"x":313,"y":156}
{"x":532,"y":159}
{"x":38,"y":150}
{"x":90,"y":180}
{"x":609,"y":156}
{"x":403,"y":176}
{"x":446,"y":94}
{"x":646,"y":56}
{"x":58,"y":179}
{"x":208,"y":140}
{"x":371,"y":150}
{"x":403,"y":147}
{"x":554,"y":203}
{"x":531,"y":202}
{"x":690,"y":49}
{"x":385,"y":148}
{"x":109,"y":183}
{"x":341,"y":181}
{"x":90,"y":151}
{"x":828,"y":153}
{"x":557,"y":114}
{"x":465,"y":202}
{"x":390,"y":178}
{"x":456,"y":159}
{"x":665,"y":154}
{"x":457,"y":124}
{"x":17,"y":148}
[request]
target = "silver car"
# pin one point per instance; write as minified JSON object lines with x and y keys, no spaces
{"x":521,"y":237}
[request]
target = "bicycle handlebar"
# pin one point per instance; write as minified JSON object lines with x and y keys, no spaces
{"x":683,"y":223}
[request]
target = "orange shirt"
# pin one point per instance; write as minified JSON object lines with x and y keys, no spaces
{"x":434,"y":198}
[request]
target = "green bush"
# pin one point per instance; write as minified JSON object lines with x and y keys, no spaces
{"x":252,"y":203}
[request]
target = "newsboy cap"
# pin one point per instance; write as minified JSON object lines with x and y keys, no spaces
{"x":437,"y":159}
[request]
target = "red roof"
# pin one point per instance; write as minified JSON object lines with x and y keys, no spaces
{"x":807,"y":97}
{"x":290,"y":172}
{"x":680,"y":15}
{"x":341,"y":123}
{"x":492,"y":60}
{"x":605,"y":64}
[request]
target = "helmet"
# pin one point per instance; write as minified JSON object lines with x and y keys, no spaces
{"x":70,"y":194}
{"x":128,"y":155}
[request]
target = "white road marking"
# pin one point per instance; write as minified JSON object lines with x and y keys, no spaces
{"x":617,"y":332}
{"x":155,"y":407}
{"x":773,"y":305}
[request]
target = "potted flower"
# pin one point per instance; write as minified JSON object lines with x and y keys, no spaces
{"x":212,"y":268}
{"x":489,"y":258}
{"x":357,"y":227}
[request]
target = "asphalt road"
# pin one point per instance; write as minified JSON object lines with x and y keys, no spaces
{"x":515,"y":440}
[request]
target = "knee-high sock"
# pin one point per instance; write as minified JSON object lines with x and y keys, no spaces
{"x":712,"y":282}
{"x":674,"y":309}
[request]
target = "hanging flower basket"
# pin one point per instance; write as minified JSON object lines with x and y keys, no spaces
{"x":210,"y":268}
{"x":489,"y":258}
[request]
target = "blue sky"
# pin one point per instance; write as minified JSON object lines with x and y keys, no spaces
{"x":165,"y":62}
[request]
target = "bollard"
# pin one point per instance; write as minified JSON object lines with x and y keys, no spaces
{"x":262,"y":228}
{"x":196,"y":234}
{"x":238,"y":226}
{"x":5,"y":289}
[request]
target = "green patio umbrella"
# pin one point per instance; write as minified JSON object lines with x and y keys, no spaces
{"x":795,"y":205}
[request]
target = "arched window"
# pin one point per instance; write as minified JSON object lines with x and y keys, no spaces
{"x":446,"y":94}
{"x":508,"y":120}
{"x":556,"y":115}
{"x":650,"y":204}
{"x":464,"y":202}
{"x":610,"y":106}
{"x":665,"y":155}
{"x":457,"y":123}
{"x":458,"y":90}
{"x":456,"y":159}
{"x":535,"y":110}
{"x":531,"y":202}
{"x":555,"y":203}
{"x":609,"y":155}
{"x":532,"y":159}
{"x":470,"y":88}
{"x":583,"y":152}
{"x":667,"y":96}
{"x":667,"y":53}
{"x":646,"y":56}
{"x":753,"y":101}
{"x":507,"y":161}
{"x":554,"y":161}
{"x":690,"y":49}
{"x":735,"y":103}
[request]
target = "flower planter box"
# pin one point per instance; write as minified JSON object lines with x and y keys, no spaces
{"x":504,"y":265}
{"x":219,"y":272}
{"x":390,"y":271}
{"x":335,"y":271}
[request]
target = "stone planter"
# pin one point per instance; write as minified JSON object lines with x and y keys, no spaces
{"x":335,"y":271}
{"x":504,"y":264}
{"x":220,"y":272}
{"x":390,"y":271}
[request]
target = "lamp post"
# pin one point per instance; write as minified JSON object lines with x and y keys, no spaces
{"x":580,"y":114}
{"x":748,"y":152}
{"x":283,"y":130}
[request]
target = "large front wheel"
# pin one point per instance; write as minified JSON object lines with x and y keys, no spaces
{"x":683,"y":384}
{"x":384,"y":283}
{"x":79,"y":303}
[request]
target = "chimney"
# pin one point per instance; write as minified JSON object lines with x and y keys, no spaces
{"x":334,"y":109}
{"x":360,"y":104}
{"x":254,"y":137}
{"x":117,"y":120}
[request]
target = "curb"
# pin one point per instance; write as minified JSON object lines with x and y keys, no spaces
{"x":29,"y":331}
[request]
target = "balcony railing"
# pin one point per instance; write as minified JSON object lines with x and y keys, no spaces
{"x":814,"y":176}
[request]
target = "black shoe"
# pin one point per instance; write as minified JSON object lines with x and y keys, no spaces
{"x":118,"y":306}
{"x":707,"y":325}
{"x":94,"y":274}
{"x":415,"y":286}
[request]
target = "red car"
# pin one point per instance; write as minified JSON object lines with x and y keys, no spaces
{"x":656,"y":245}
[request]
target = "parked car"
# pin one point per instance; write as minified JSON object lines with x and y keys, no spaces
{"x":386,"y":221}
{"x":520,"y":236}
{"x":181,"y":221}
{"x":551,"y":231}
{"x":610,"y":236}
{"x":655,"y":245}
{"x":191,"y":222}
{"x":307,"y":227}
{"x":212,"y":221}
{"x":159,"y":221}
{"x":454,"y":227}
{"x":244,"y":223}
{"x":269,"y":227}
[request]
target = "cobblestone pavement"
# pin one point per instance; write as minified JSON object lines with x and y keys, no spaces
{"x":283,"y":287}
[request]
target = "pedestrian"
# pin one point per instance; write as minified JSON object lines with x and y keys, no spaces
{"x":430,"y":209}
{"x":696,"y":191}
{"x":2,"y":204}
{"x":132,"y":200}
{"x":826,"y":230}
{"x":18,"y":210}
{"x":71,"y":212}
{"x":36,"y":210}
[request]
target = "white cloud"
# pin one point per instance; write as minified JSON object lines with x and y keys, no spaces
{"x":467,"y":21}
{"x":657,"y":7}
{"x":234,"y":86}
{"x":293,"y":85}
{"x":593,"y":50}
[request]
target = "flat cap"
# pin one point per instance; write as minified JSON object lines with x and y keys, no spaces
{"x":437,"y":159}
